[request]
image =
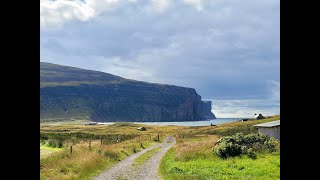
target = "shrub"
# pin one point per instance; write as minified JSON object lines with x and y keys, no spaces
{"x":111,"y":155}
{"x":134,"y":150}
{"x":226,"y":149}
{"x":55,"y":143}
{"x":239,"y":144}
{"x":244,"y":149}
{"x":99,"y":151}
{"x":272,"y":145}
{"x":258,"y":147}
{"x":73,"y":140}
{"x":251,"y":154}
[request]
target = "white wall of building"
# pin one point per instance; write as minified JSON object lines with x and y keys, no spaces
{"x":271,"y":131}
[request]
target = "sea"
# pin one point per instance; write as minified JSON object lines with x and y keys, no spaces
{"x":188,"y":123}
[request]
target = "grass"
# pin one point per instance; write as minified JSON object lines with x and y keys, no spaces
{"x":85,"y":163}
{"x":191,"y":157}
{"x":266,"y":166}
{"x":131,"y":129}
{"x":195,"y":147}
{"x":45,"y":151}
{"x":144,"y":157}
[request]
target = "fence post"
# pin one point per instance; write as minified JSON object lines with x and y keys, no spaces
{"x":158,"y":137}
{"x":89,"y":143}
{"x":70,"y":150}
{"x":101,"y":141}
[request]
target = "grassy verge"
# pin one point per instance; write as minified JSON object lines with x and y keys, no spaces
{"x":85,"y":163}
{"x":144,"y":157}
{"x":266,"y":166}
{"x":45,"y":151}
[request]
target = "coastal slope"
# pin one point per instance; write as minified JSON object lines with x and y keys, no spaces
{"x":73,"y":93}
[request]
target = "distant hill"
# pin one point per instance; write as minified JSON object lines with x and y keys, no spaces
{"x":74,"y":93}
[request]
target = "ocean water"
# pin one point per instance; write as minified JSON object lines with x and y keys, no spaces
{"x":188,"y":123}
{"x":193,"y":123}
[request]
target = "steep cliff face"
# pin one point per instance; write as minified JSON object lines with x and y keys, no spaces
{"x":206,"y":110}
{"x":67,"y":92}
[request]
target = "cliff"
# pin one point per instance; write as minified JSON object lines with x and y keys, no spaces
{"x":206,"y":110}
{"x":73,"y":93}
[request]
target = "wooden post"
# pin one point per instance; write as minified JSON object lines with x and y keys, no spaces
{"x":70,"y":150}
{"x":101,"y":141}
{"x":158,"y":137}
{"x":89,"y":143}
{"x":150,"y":137}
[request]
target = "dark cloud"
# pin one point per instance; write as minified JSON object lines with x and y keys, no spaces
{"x":224,"y":49}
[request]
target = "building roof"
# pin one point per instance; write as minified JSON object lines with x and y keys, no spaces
{"x":269,"y":124}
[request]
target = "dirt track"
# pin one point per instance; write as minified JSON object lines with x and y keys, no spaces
{"x":147,"y":171}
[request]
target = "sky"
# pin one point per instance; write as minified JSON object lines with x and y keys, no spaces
{"x":228,"y":50}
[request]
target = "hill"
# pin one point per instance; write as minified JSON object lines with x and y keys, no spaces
{"x":74,"y":93}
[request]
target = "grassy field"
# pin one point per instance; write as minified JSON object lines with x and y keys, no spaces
{"x":192,"y":154}
{"x":266,"y":166}
{"x":85,"y":163}
{"x":193,"y":158}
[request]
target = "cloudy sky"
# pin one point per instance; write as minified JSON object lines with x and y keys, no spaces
{"x":228,"y":50}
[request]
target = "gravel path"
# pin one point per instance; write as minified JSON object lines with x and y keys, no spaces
{"x":147,"y":171}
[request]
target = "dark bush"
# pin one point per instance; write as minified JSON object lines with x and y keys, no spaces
{"x":55,"y":143}
{"x":239,"y":144}
{"x":134,"y":150}
{"x":111,"y":155}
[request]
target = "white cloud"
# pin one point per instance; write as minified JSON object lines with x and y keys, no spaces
{"x":160,"y":5}
{"x":195,"y":3}
{"x":244,"y":108}
{"x":55,"y":13}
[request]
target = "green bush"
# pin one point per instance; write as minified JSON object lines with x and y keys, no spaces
{"x":251,"y":154}
{"x":239,"y":144}
{"x":226,"y":149}
{"x":272,"y":145}
{"x":55,"y":143}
